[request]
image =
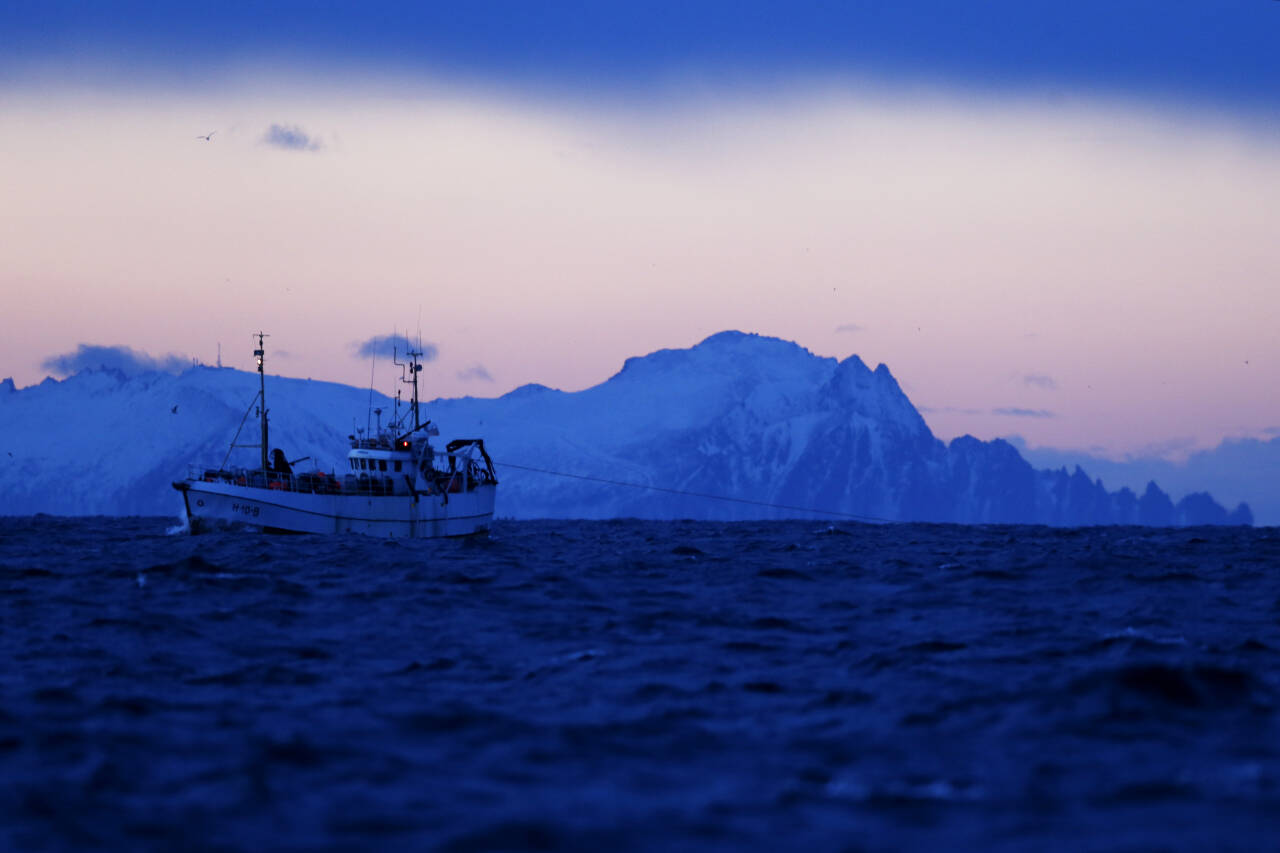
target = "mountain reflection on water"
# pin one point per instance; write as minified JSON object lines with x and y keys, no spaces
{"x":635,"y":685}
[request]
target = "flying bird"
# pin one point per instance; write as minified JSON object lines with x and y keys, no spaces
{"x":174,"y":410}
{"x":208,"y":137}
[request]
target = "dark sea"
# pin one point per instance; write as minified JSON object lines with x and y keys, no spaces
{"x":637,"y":685}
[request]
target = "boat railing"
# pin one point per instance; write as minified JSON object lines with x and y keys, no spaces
{"x":316,"y":482}
{"x":378,"y":442}
{"x":449,"y":472}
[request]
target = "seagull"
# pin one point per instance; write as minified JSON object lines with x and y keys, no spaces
{"x":208,"y":137}
{"x":174,"y":410}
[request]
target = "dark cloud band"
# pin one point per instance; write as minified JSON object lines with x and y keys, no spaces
{"x":384,"y":346}
{"x":124,"y":359}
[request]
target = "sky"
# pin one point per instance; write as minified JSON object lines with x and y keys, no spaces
{"x":1050,"y":220}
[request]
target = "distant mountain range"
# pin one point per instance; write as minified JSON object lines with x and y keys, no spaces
{"x":1238,"y":469}
{"x":761,"y":421}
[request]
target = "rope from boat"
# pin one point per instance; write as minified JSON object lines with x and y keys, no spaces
{"x":709,"y":496}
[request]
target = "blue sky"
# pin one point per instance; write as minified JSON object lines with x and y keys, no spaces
{"x":1054,"y":219}
{"x":1210,"y":50}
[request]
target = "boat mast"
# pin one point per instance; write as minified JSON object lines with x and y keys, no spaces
{"x":258,"y":354}
{"x":415,"y":368}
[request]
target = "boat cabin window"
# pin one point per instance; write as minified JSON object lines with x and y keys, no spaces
{"x":397,"y":466}
{"x":382,"y":464}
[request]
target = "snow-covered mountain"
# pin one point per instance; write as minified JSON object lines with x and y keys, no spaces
{"x":757,"y":419}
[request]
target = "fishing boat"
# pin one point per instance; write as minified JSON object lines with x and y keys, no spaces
{"x":396,"y":484}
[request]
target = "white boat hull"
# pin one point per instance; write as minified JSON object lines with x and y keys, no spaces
{"x":420,"y":516}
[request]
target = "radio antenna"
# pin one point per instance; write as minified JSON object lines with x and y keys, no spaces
{"x":260,"y":354}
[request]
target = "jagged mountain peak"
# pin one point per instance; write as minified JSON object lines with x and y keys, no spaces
{"x":854,"y":371}
{"x":872,"y":394}
{"x":969,"y":444}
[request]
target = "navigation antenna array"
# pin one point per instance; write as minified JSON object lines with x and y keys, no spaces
{"x":415,"y":367}
{"x":395,"y":359}
{"x":260,"y":355}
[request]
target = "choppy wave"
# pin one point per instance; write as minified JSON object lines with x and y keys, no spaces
{"x":640,"y":685}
